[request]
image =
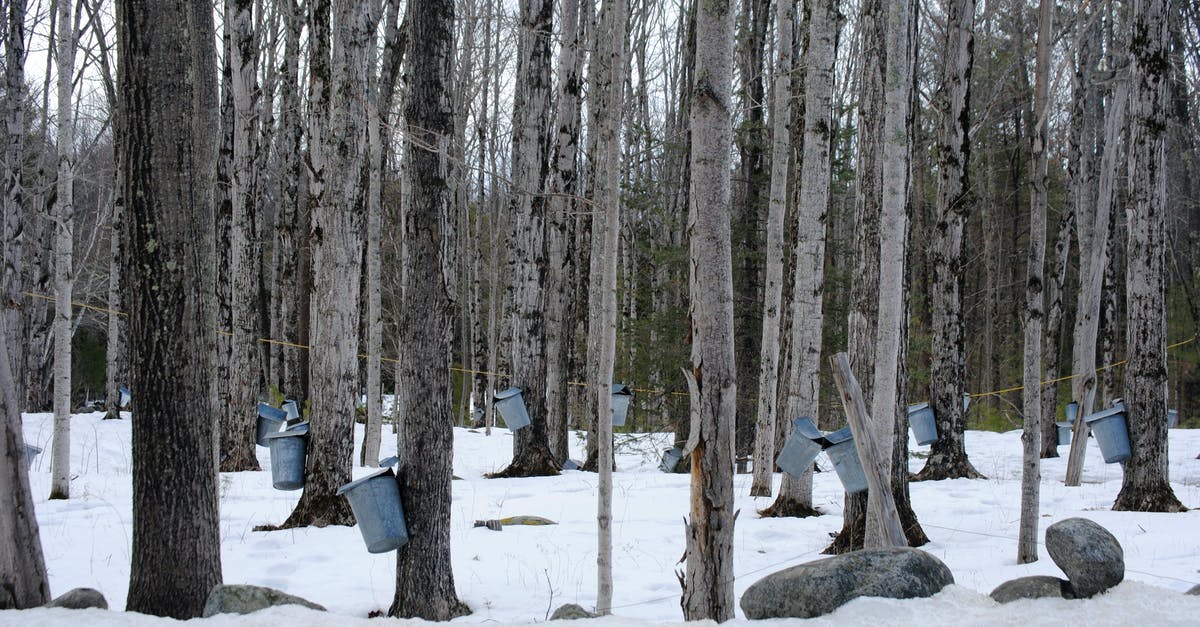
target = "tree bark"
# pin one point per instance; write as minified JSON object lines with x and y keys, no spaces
{"x":1054,"y":327}
{"x":527,"y":239}
{"x":768,"y":373}
{"x":947,"y":372}
{"x":708,"y":585}
{"x":1145,"y":486}
{"x":169,"y":100}
{"x":337,"y":238}
{"x":245,"y":368}
{"x":424,"y":578}
{"x":1031,"y":394}
{"x":64,"y":244}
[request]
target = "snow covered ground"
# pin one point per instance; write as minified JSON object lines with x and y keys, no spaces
{"x":520,"y":574}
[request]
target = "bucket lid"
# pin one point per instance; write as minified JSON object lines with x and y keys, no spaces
{"x":300,"y":427}
{"x":912,"y":409}
{"x":388,"y":462}
{"x":513,"y":391}
{"x":291,"y":433}
{"x":807,"y":429}
{"x":621,"y":388}
{"x":1111,"y":411}
{"x":358,"y":482}
{"x":292,"y":409}
{"x":32,"y":450}
{"x":271,"y":413}
{"x":839,"y":436}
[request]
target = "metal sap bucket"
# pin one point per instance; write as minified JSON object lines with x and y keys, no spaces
{"x":670,"y":459}
{"x":621,"y":395}
{"x":844,"y":455}
{"x":123,"y":396}
{"x":571,"y":464}
{"x":966,"y":402}
{"x":1111,"y":433}
{"x":922,"y":423}
{"x":375,"y":501}
{"x":512,"y":408}
{"x":802,"y":447}
{"x":270,"y":420}
{"x":31,"y":452}
{"x":288,"y":450}
{"x":1064,"y":428}
{"x":292,"y":409}
{"x":1172,"y":418}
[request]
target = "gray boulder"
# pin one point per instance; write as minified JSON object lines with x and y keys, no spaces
{"x":1036,"y":587}
{"x":1195,"y":591}
{"x":820,"y":587}
{"x":243,"y":599}
{"x":1090,"y":556}
{"x":571,"y":611}
{"x":80,"y":599}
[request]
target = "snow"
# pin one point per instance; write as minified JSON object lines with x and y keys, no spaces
{"x":520,"y":574}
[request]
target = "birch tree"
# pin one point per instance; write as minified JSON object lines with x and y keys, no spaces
{"x":1145,"y":485}
{"x":1031,"y":471}
{"x":336,"y":238}
{"x":169,"y":100}
{"x":424,"y":578}
{"x":64,"y":244}
{"x":708,"y":583}
{"x":23,"y":579}
{"x":948,"y":455}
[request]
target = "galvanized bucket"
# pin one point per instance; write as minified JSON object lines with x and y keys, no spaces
{"x":1172,"y":418}
{"x":293,"y":410}
{"x":670,"y":459}
{"x":123,"y":396}
{"x":288,"y":449}
{"x":1064,"y":433}
{"x":512,"y":408}
{"x":966,"y":402}
{"x":1111,"y":433}
{"x":1072,"y":410}
{"x":801,"y":449}
{"x":270,"y":420}
{"x":922,"y":423}
{"x":844,"y":455}
{"x":375,"y":500}
{"x":31,"y":452}
{"x":571,"y":464}
{"x":621,"y":395}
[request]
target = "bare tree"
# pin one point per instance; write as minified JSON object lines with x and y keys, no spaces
{"x":424,"y":579}
{"x":948,"y":455}
{"x":336,"y":238}
{"x":64,"y":244}
{"x":169,"y":100}
{"x":238,"y":420}
{"x":1145,"y":486}
{"x":708,"y":584}
{"x":1031,"y":470}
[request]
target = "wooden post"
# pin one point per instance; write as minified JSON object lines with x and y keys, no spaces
{"x":868,"y":452}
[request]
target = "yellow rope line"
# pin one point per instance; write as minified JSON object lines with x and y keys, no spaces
{"x":392,"y":360}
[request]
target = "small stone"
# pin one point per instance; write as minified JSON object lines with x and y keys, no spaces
{"x":534,"y":521}
{"x":244,"y":599}
{"x":1090,"y":556}
{"x":80,"y":599}
{"x":820,"y":587}
{"x":571,"y":611}
{"x":1036,"y":587}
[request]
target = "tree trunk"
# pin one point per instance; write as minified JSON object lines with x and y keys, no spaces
{"x":947,"y":372}
{"x":610,"y":55}
{"x":23,"y":579}
{"x":169,"y":100}
{"x":238,"y":419}
{"x":527,"y":239}
{"x":64,"y":244}
{"x":708,"y":585}
{"x":1031,"y":394}
{"x":1145,"y":486}
{"x":336,"y":237}
{"x":768,"y":374}
{"x":1054,"y":327}
{"x":560,"y":266}
{"x":424,"y":579}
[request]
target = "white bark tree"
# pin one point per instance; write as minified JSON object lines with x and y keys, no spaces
{"x":708,"y":583}
{"x":64,"y":244}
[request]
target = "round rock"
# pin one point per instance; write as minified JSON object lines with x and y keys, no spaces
{"x":1036,"y":587}
{"x":80,"y":599}
{"x":243,"y":599}
{"x":1090,"y":556}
